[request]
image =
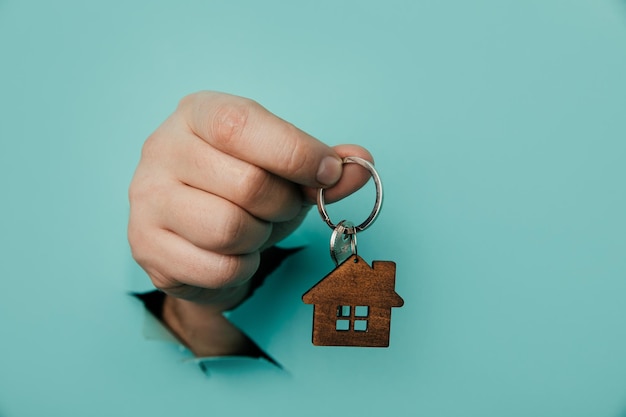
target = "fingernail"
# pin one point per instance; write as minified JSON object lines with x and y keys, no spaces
{"x":329,"y":171}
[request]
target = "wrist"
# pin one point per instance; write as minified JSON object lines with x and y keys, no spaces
{"x":203,"y":328}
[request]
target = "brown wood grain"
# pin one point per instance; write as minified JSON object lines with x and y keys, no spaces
{"x":354,"y":283}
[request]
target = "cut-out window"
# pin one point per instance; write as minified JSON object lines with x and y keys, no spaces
{"x":361,"y":311}
{"x":343,"y":325}
{"x":343,"y":311}
{"x":352,"y":318}
{"x":360,"y":325}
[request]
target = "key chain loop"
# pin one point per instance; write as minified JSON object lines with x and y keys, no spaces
{"x":377,"y":205}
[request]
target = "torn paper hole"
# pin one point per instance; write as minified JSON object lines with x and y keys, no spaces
{"x":156,"y":329}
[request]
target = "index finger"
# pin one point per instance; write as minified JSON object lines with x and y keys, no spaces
{"x":244,"y":129}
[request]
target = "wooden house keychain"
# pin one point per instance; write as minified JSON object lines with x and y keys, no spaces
{"x":352,"y":305}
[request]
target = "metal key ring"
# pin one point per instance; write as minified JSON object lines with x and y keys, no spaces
{"x":377,"y":205}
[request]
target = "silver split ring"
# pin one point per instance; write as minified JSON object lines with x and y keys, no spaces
{"x":377,"y":205}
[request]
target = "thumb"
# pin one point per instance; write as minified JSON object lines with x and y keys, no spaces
{"x":353,"y":176}
{"x":244,"y":129}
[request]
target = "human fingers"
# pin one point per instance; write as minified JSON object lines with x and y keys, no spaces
{"x":171,"y":261}
{"x":353,"y":177}
{"x":259,"y":192}
{"x":245,"y":130}
{"x":209,"y":221}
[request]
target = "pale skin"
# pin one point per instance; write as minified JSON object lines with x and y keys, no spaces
{"x":218,"y":182}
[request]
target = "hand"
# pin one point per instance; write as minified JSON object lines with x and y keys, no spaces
{"x":219,"y":181}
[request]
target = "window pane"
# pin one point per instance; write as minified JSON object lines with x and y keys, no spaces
{"x":343,"y":311}
{"x":360,"y":325}
{"x":361,"y":311}
{"x":342,"y":325}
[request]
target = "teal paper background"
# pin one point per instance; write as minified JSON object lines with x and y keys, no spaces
{"x":499,"y":130}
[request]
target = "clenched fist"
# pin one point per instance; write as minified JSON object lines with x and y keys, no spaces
{"x":218,"y":182}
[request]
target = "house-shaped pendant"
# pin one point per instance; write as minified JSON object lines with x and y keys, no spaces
{"x":352,"y":305}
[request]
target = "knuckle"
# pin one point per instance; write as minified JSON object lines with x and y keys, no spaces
{"x":161,"y":282}
{"x":138,"y":241}
{"x":190,"y":99}
{"x":297,"y":160}
{"x":221,"y":271}
{"x":134,"y":238}
{"x":142,"y":254}
{"x":150,"y":147}
{"x":186,"y":101}
{"x":234,"y":270}
{"x":229,"y":120}
{"x":134,"y":191}
{"x":228,"y":267}
{"x":253,"y":186}
{"x":183,"y":269}
{"x":232,"y":230}
{"x":146,"y":191}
